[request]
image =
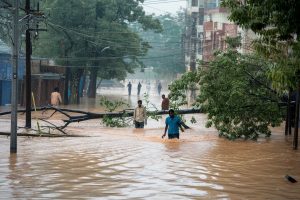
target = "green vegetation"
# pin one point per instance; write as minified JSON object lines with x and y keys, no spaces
{"x":235,"y":92}
{"x":277,"y":24}
{"x":94,"y":35}
{"x":124,"y":120}
{"x":166,"y":54}
{"x":111,"y":106}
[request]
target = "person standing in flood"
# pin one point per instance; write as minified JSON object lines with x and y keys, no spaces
{"x":129,"y":85}
{"x":173,"y":123}
{"x":140,"y":115}
{"x":165,"y":103}
{"x":139,"y":88}
{"x":55,"y":97}
{"x":159,"y":87}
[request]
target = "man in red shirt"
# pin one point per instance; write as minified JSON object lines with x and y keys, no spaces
{"x":165,"y":103}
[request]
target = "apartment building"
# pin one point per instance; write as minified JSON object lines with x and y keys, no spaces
{"x":207,"y":27}
{"x":193,"y":37}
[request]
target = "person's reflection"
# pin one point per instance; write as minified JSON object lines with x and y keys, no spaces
{"x":172,"y":145}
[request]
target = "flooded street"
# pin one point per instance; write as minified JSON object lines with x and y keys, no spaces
{"x":124,"y":163}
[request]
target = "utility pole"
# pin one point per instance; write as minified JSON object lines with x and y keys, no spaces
{"x":31,"y":15}
{"x":28,"y":68}
{"x":14,"y":91}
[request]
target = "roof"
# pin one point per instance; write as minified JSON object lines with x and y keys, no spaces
{"x":4,"y":49}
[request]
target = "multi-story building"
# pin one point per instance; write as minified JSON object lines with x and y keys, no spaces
{"x":207,"y":27}
{"x":193,"y":36}
{"x":216,"y":28}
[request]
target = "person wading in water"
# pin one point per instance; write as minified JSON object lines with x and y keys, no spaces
{"x":140,"y":115}
{"x":173,"y":123}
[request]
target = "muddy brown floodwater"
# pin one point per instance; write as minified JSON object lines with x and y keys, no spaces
{"x":138,"y":164}
{"x":124,"y":163}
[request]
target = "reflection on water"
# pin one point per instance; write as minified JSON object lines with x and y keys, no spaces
{"x":138,"y":164}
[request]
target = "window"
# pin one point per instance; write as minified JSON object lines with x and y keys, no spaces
{"x":194,"y":2}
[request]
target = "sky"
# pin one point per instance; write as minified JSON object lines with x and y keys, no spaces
{"x":159,"y":7}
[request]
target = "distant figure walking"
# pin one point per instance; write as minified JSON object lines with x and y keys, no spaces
{"x":55,"y":97}
{"x":159,"y":87}
{"x":165,"y":103}
{"x":148,"y":87}
{"x":129,"y":85}
{"x":173,"y":123}
{"x":140,"y":115}
{"x":139,"y":88}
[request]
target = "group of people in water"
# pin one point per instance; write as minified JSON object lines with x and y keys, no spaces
{"x":139,"y":87}
{"x":173,"y":122}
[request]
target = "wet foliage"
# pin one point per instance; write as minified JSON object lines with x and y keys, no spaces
{"x":122,"y":121}
{"x":235,"y":92}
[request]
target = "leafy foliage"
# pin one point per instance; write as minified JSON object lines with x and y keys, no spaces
{"x":124,"y":120}
{"x":277,"y":24}
{"x":110,"y":106}
{"x":95,"y":35}
{"x":236,"y":94}
{"x":165,"y":54}
{"x":150,"y":106}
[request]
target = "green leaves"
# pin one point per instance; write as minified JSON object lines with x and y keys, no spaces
{"x":80,"y":32}
{"x":276,"y":23}
{"x":235,"y":93}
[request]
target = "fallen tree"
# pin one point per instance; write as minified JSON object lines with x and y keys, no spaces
{"x":84,"y":116}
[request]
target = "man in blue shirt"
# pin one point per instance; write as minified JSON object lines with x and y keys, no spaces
{"x":173,"y":123}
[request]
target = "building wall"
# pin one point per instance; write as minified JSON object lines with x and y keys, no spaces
{"x":209,"y":32}
{"x":6,"y":75}
{"x":216,"y":28}
{"x":194,"y":33}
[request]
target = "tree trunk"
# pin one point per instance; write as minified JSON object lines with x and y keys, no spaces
{"x":75,"y":83}
{"x":295,"y":141}
{"x":66,"y":93}
{"x":83,"y":84}
{"x":92,"y":85}
{"x":288,"y":115}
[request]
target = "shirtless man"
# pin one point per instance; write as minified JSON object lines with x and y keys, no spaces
{"x":55,"y":97}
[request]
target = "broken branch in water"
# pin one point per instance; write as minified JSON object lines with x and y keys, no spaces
{"x":84,"y":116}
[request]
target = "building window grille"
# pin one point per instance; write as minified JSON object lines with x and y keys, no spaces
{"x":194,"y":3}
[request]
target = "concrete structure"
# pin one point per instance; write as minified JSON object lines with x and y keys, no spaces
{"x":193,"y":36}
{"x":216,"y":28}
{"x":6,"y":73}
{"x":207,"y":27}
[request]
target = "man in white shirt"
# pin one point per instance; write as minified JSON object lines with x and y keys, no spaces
{"x":140,"y":115}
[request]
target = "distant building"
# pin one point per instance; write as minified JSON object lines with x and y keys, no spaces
{"x":216,"y":28}
{"x":193,"y":37}
{"x":6,"y":73}
{"x":207,"y":27}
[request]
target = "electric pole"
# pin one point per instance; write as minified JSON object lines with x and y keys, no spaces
{"x":31,"y":16}
{"x":14,"y":91}
{"x":28,"y":67}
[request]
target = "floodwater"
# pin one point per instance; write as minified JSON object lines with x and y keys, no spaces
{"x":124,"y":163}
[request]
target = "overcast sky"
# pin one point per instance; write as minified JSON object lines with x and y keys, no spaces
{"x":159,"y":7}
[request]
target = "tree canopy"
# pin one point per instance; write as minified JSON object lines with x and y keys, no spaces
{"x":277,"y":24}
{"x":95,"y":35}
{"x":235,"y":93}
{"x":166,"y":52}
{"x":79,"y":31}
